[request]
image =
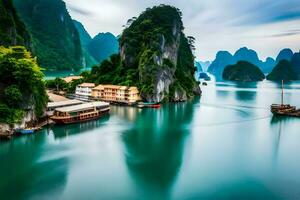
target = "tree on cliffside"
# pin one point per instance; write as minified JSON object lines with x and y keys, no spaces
{"x":21,"y":85}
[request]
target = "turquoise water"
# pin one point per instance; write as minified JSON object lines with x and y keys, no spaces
{"x":224,"y":145}
{"x":61,"y":74}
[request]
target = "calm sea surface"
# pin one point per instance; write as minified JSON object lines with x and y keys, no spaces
{"x":224,"y":145}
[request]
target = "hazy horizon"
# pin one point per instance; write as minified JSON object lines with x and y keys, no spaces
{"x":264,"y":26}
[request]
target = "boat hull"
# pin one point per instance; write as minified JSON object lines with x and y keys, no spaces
{"x":287,"y":114}
{"x":285,"y":110}
{"x":148,"y":105}
{"x":25,"y":131}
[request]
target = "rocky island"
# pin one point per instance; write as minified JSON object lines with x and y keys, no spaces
{"x":155,"y":55}
{"x":283,"y":71}
{"x":243,"y":71}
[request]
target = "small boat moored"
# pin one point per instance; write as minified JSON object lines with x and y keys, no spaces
{"x":25,"y":131}
{"x":148,"y":105}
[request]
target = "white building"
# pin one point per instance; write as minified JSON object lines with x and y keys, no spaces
{"x":84,"y":91}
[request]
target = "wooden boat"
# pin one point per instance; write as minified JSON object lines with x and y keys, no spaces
{"x":148,"y":105}
{"x":80,"y":113}
{"x":284,"y":109}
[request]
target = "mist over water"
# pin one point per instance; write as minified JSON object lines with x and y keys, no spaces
{"x":225,"y":144}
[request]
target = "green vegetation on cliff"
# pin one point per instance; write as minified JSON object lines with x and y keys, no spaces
{"x":55,"y":40}
{"x":155,"y":55}
{"x":283,"y":71}
{"x":12,"y":30}
{"x":243,"y":71}
{"x":21,"y":85}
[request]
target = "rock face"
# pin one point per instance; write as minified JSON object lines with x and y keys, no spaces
{"x":285,"y":54}
{"x":282,"y":71}
{"x":156,"y":46}
{"x":55,"y":39}
{"x":5,"y":130}
{"x":243,"y":71}
{"x":102,"y":46}
{"x":12,"y":29}
{"x":85,"y":39}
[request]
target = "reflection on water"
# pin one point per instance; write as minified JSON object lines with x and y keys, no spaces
{"x":130,"y":113}
{"x":224,"y":145}
{"x":245,"y":95}
{"x":155,"y":147}
{"x":62,"y":131}
{"x":60,"y":74}
{"x":24,"y":176}
{"x":279,"y":124}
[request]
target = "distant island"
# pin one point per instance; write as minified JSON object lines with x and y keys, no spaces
{"x":224,"y":58}
{"x":283,"y":71}
{"x":243,"y":71}
{"x":96,"y":49}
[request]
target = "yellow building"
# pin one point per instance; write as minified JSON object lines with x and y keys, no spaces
{"x":133,"y":95}
{"x":115,"y":93}
{"x":98,"y":92}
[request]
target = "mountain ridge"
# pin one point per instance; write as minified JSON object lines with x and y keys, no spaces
{"x":225,"y":58}
{"x":55,"y":39}
{"x":102,"y":46}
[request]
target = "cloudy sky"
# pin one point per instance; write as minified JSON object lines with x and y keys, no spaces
{"x":263,"y":25}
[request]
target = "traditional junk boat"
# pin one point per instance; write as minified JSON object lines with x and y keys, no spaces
{"x":80,"y":113}
{"x":284,"y":109}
